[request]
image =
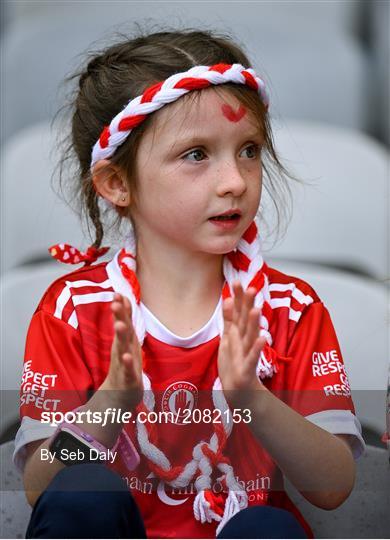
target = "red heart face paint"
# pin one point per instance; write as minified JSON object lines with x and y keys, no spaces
{"x":228,"y":112}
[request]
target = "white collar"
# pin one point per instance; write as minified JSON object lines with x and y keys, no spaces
{"x":154,"y":327}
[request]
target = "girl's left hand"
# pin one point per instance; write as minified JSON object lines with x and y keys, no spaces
{"x":241,"y":344}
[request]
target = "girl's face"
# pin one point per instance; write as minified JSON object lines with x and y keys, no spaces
{"x":202,"y":161}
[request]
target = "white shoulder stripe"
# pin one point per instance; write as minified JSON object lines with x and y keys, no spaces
{"x":73,"y":321}
{"x":296,"y":293}
{"x":86,"y":283}
{"x":90,"y":298}
{"x":65,"y":295}
{"x":62,"y":300}
{"x":293,"y":314}
{"x":93,"y":297}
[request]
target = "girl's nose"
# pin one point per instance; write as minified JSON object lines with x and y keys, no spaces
{"x":230,"y":180}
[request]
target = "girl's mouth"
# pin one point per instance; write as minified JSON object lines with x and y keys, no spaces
{"x":226,"y":222}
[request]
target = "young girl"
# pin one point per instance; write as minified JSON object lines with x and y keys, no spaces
{"x":171,"y":132}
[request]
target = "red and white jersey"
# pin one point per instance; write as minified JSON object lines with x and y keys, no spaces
{"x":68,"y":349}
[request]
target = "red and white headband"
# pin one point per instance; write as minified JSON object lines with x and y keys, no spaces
{"x":163,"y":92}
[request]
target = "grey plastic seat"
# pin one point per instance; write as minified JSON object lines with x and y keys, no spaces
{"x":340,"y":17}
{"x":359,"y":309}
{"x":39,"y":51}
{"x":378,"y":29}
{"x":15,"y":511}
{"x":340,"y":212}
{"x":20,"y":292}
{"x":363,"y":515}
{"x":33,"y":216}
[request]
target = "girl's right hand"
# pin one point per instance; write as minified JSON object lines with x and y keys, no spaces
{"x":124,"y":378}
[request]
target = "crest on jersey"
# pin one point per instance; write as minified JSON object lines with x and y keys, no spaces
{"x":180,"y":398}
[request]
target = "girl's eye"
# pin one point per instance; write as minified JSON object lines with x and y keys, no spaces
{"x":198,"y":152}
{"x":195,"y":152}
{"x":254,"y":150}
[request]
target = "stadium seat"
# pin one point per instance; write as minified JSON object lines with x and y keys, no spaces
{"x":15,"y":510}
{"x":309,"y":82}
{"x":338,"y":17}
{"x":365,"y":513}
{"x":20,"y":293}
{"x":33,"y":216}
{"x":340,"y":211}
{"x":379,"y":37}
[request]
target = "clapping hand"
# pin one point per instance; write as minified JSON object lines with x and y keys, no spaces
{"x":124,"y":377}
{"x":241,"y":344}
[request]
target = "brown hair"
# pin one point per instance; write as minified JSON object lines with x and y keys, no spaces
{"x":120,"y":72}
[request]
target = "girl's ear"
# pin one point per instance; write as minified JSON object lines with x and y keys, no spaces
{"x":110,"y":183}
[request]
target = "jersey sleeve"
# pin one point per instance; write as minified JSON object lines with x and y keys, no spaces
{"x":55,"y":378}
{"x":317,"y":381}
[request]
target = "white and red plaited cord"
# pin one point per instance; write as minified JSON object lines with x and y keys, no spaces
{"x":246,"y":265}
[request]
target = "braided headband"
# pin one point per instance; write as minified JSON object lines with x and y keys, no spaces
{"x":163,"y":92}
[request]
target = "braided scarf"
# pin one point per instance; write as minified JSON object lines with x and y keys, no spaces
{"x":246,"y":265}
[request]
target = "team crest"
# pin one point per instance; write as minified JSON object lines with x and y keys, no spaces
{"x":180,"y":398}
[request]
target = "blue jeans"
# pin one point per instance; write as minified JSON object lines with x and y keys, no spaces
{"x":92,"y":501}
